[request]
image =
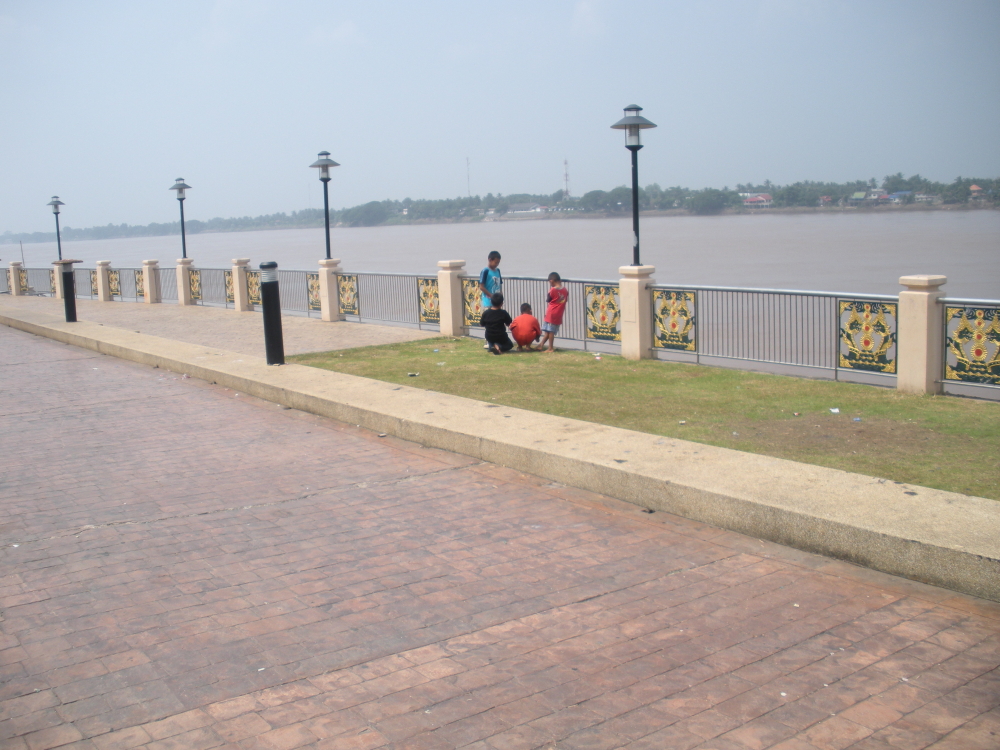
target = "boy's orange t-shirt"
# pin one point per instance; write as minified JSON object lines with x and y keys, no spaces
{"x":525,"y":329}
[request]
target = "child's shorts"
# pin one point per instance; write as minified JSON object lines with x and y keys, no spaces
{"x":548,"y":327}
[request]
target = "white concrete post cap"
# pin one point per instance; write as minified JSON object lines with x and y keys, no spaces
{"x":920,"y":283}
{"x":104,"y":262}
{"x":63,"y":262}
{"x":241,"y":261}
{"x":329,"y":262}
{"x":637,"y":272}
{"x":451,"y":264}
{"x":151,"y":263}
{"x":184,"y":261}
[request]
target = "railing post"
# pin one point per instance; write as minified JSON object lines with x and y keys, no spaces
{"x":636,"y":307}
{"x":241,"y":299}
{"x":450,"y":297}
{"x":184,"y":281}
{"x":920,"y":345}
{"x":329,"y":294}
{"x":151,"y":281}
{"x":15,"y":278}
{"x":103,"y":282}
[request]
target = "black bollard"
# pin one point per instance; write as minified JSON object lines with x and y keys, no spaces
{"x":270,"y":301}
{"x":65,"y":267}
{"x":69,"y":295}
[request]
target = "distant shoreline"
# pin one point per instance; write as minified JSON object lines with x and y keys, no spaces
{"x":576,"y":215}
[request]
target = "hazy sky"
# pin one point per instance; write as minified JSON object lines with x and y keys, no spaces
{"x":105,"y":103}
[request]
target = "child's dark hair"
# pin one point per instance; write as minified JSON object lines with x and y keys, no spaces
{"x":493,"y":254}
{"x":497,"y":300}
{"x":525,"y":307}
{"x":555,"y":277}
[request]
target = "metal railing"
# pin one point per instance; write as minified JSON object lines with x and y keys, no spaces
{"x":581,"y":328}
{"x":400,"y":298}
{"x":850,"y":336}
{"x":213,"y":287}
{"x":40,"y":282}
{"x":971,"y":347}
{"x":83,"y":282}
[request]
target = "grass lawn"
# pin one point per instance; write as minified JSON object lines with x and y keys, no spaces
{"x":935,"y":441}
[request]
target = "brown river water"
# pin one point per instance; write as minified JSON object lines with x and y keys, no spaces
{"x":839,"y":252}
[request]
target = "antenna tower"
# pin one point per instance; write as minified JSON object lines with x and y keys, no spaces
{"x":565,"y":179}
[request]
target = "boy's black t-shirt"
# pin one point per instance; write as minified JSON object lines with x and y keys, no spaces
{"x":495,"y":322}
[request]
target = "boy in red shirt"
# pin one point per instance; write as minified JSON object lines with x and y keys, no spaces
{"x":525,"y":328}
{"x":554,"y":311}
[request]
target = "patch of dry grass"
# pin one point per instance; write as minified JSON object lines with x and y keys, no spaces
{"x":935,"y":441}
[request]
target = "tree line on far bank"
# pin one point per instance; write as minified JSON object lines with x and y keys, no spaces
{"x":476,"y":208}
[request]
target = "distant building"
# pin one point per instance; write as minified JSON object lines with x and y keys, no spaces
{"x":858,"y":198}
{"x":526,"y":208}
{"x":825,"y":200}
{"x":922,"y":198}
{"x":757,"y":200}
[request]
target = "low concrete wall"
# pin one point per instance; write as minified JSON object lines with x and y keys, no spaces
{"x":936,"y":537}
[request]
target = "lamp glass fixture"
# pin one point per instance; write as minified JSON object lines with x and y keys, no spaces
{"x":55,"y":203}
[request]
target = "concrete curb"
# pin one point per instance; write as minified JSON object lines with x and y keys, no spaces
{"x":942,"y":538}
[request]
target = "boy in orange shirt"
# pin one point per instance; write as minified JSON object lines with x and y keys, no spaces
{"x":525,"y":328}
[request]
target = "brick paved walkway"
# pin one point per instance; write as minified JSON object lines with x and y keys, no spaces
{"x":184,"y":567}
{"x":221,"y":328}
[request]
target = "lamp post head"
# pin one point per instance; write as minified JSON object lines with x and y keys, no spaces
{"x":55,"y":203}
{"x":323,"y":164}
{"x":632,"y":123}
{"x":180,"y":187}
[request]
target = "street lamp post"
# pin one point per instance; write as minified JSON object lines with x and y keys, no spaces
{"x":180,"y":187}
{"x":323,"y":164}
{"x":55,"y":203}
{"x":632,"y":123}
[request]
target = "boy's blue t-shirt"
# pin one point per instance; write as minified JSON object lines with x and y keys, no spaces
{"x":492,"y":280}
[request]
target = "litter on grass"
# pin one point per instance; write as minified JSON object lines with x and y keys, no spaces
{"x":835,"y":411}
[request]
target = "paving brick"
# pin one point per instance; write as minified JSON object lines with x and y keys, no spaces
{"x":312,"y":585}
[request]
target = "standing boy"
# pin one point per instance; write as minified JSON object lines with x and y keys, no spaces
{"x":490,"y":282}
{"x":554,"y":311}
{"x":495,"y":321}
{"x":525,"y":328}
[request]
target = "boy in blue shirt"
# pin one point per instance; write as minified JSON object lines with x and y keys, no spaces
{"x":490,"y":281}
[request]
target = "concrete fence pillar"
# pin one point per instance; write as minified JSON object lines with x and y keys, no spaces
{"x":184,"y":281}
{"x":57,"y":281}
{"x":920,"y":340}
{"x":636,"y":307}
{"x":103,"y":282}
{"x":151,"y":280}
{"x":241,"y":299}
{"x":450,"y":297}
{"x":15,"y":278}
{"x":329,"y":292}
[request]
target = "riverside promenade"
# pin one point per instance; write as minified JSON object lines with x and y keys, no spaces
{"x":184,"y":566}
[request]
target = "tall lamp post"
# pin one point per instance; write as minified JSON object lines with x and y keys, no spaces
{"x":323,"y":164}
{"x":632,"y":123}
{"x":180,"y":187}
{"x":55,"y":203}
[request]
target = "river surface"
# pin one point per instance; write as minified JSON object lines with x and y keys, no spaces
{"x":839,"y":252}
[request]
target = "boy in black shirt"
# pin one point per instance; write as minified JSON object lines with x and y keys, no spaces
{"x":495,"y":321}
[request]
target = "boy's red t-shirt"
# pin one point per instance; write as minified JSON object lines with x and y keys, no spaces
{"x":557,"y":305}
{"x":525,"y":329}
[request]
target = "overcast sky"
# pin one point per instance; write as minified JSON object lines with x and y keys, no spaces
{"x":105,"y":103}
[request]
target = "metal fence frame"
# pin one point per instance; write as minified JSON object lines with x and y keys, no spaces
{"x":534,"y":291}
{"x":985,"y":391}
{"x":392,"y":298}
{"x":785,"y":331}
